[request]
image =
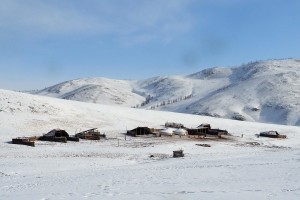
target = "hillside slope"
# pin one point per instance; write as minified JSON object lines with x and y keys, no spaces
{"x":264,"y":91}
{"x":26,"y":114}
{"x":132,"y":167}
{"x":95,"y":90}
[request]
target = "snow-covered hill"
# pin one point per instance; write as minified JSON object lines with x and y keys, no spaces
{"x":95,"y":90}
{"x":33,"y":114}
{"x":264,"y":91}
{"x":117,"y":168}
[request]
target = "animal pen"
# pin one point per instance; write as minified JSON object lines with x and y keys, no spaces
{"x":29,"y":141}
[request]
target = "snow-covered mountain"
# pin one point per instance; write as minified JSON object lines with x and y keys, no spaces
{"x":95,"y":90}
{"x":264,"y":91}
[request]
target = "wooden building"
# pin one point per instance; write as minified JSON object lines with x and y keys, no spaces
{"x":213,"y":131}
{"x":178,"y":154}
{"x":271,"y":134}
{"x":91,"y":134}
{"x":29,"y":141}
{"x":142,"y":131}
{"x":200,"y":131}
{"x":58,"y":135}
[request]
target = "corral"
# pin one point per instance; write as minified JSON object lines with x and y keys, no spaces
{"x":29,"y":141}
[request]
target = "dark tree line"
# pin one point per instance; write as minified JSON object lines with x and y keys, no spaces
{"x":163,"y":103}
{"x":147,"y":101}
{"x":167,"y":102}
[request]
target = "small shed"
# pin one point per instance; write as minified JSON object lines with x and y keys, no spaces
{"x":178,"y":153}
{"x":141,"y":131}
{"x":213,"y":131}
{"x":91,"y":134}
{"x":198,"y":131}
{"x":29,"y":141}
{"x":58,"y":135}
{"x":271,"y":134}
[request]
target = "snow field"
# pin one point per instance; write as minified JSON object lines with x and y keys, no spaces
{"x":116,"y":168}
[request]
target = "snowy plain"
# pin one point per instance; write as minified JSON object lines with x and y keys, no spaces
{"x":237,"y":167}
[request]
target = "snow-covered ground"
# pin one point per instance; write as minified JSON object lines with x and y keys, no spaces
{"x":264,"y":91}
{"x":237,"y":167}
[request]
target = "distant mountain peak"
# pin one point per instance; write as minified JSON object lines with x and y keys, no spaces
{"x":214,"y":72}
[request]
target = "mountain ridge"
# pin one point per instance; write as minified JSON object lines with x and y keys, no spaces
{"x":262,"y":91}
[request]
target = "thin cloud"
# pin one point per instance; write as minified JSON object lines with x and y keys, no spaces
{"x":144,"y":20}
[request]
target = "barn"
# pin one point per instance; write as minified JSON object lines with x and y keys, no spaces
{"x":58,"y":135}
{"x":198,"y":131}
{"x":141,"y":131}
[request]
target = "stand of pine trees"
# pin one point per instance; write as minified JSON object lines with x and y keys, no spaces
{"x":163,"y":103}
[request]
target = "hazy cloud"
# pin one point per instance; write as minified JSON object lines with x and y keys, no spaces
{"x":208,"y":47}
{"x":139,"y":20}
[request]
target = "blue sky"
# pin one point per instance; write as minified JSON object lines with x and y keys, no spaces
{"x":44,"y":42}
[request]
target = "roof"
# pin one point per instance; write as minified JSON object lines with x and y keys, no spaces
{"x":270,"y":133}
{"x":56,"y":133}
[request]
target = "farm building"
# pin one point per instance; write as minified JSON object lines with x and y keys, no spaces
{"x":205,"y":125}
{"x":142,"y":131}
{"x":211,"y":131}
{"x":178,"y":153}
{"x":29,"y":141}
{"x":91,"y":134}
{"x":58,"y":135}
{"x":271,"y":134}
{"x":198,"y":131}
